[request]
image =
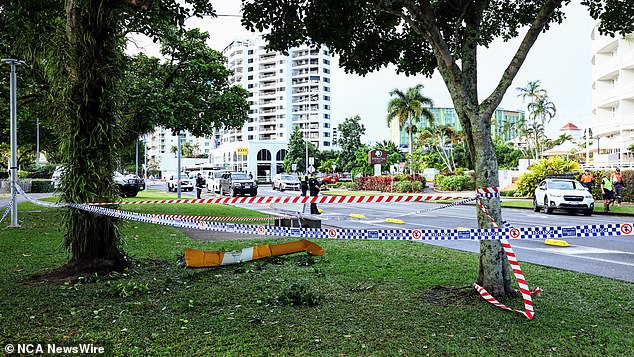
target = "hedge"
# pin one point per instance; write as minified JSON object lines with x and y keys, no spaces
{"x":454,"y":183}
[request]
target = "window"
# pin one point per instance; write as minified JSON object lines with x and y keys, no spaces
{"x":326,"y":53}
{"x":327,"y":80}
{"x":250,"y":128}
{"x":250,"y":52}
{"x":250,"y":69}
{"x":250,"y":60}
{"x":264,"y":155}
{"x":326,"y":134}
{"x":327,"y":107}
{"x":281,"y":71}
{"x":326,"y":70}
{"x":326,"y":116}
{"x":250,"y":137}
{"x":326,"y":143}
{"x":326,"y":89}
{"x":250,"y":78}
{"x":326,"y":61}
{"x":281,"y":61}
{"x":326,"y":125}
{"x":250,"y":85}
{"x":326,"y":97}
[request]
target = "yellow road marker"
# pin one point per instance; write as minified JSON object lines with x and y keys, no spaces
{"x":557,"y":242}
{"x":356,"y":215}
{"x":394,"y":220}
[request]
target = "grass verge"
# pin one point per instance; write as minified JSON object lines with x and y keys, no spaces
{"x":360,"y":298}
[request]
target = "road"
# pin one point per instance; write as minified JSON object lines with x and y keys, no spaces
{"x":604,"y":256}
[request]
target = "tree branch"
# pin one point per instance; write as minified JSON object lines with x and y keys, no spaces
{"x":547,"y":10}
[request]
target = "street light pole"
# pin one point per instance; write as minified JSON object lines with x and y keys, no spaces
{"x":37,"y":141}
{"x":306,"y":145}
{"x":178,"y":163}
{"x":14,"y":139}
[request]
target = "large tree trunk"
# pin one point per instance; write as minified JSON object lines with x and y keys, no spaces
{"x":493,"y":272}
{"x":90,"y":141}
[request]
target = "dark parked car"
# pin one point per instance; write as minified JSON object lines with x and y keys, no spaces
{"x":128,"y":187}
{"x":237,"y":183}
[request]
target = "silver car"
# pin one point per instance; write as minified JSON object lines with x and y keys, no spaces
{"x":285,"y":182}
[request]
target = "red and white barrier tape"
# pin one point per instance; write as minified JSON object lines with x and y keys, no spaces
{"x":517,"y":272}
{"x":294,"y":199}
{"x":218,"y":219}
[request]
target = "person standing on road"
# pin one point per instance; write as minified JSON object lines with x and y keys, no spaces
{"x":200,"y":183}
{"x":304,"y":186}
{"x":587,"y":180}
{"x":617,"y":181}
{"x":314,"y":187}
{"x":608,"y":191}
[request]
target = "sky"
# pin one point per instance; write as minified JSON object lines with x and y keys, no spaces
{"x":560,"y":60}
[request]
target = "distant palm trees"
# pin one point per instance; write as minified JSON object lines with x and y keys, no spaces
{"x":406,"y":107}
{"x":541,"y":111}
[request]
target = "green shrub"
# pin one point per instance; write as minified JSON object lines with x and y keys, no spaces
{"x":408,"y":186}
{"x":42,"y":186}
{"x":454,"y":183}
{"x":347,"y":185}
{"x":528,"y":181}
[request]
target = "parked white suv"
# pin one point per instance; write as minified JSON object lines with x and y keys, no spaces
{"x":186,"y":183}
{"x":213,"y":180}
{"x":565,"y":194}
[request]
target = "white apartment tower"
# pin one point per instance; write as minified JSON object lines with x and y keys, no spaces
{"x":284,"y":91}
{"x":613,"y":98}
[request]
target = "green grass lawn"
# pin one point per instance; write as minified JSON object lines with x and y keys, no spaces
{"x":360,"y":298}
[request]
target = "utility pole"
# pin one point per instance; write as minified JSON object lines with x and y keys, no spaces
{"x":14,"y":139}
{"x":37,"y":141}
{"x":178,"y":163}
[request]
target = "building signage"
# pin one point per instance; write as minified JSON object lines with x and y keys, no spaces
{"x":243,"y":151}
{"x":377,"y":157}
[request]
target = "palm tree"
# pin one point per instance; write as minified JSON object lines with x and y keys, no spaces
{"x":531,"y":93}
{"x":407,"y":106}
{"x":544,"y":110}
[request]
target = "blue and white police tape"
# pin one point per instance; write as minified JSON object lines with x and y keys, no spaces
{"x":6,"y":212}
{"x":581,"y":231}
{"x":602,"y":230}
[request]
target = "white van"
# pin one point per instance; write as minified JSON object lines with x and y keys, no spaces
{"x":213,"y":180}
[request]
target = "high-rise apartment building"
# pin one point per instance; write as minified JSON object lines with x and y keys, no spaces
{"x":612,"y":97}
{"x":284,"y":91}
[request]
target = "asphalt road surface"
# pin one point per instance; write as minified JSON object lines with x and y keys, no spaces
{"x":604,"y":256}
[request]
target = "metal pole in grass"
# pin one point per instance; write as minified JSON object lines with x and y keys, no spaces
{"x":14,"y":139}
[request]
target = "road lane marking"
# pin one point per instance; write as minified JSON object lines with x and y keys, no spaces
{"x":577,"y":255}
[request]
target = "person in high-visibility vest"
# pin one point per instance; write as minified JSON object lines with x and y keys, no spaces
{"x":587,"y":180}
{"x":617,"y":181}
{"x":608,"y":191}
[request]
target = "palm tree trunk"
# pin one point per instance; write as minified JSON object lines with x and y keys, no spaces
{"x":90,"y":138}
